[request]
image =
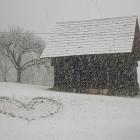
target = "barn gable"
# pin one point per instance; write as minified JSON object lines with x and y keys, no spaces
{"x":98,"y":36}
{"x":136,"y":43}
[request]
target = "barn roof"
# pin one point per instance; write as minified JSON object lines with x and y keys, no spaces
{"x":97,"y":36}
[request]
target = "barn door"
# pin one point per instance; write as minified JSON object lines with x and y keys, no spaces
{"x":80,"y":75}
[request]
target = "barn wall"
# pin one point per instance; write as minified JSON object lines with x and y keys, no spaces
{"x":106,"y":71}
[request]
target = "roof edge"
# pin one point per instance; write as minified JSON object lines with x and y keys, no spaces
{"x":97,"y":19}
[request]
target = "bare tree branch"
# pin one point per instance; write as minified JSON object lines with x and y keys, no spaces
{"x":16,"y":45}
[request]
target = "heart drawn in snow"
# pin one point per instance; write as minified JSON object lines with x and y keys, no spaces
{"x":39,"y":107}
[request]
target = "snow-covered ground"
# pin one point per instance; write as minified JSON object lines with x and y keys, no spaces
{"x":81,"y":117}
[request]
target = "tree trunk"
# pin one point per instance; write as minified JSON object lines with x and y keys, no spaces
{"x":19,"y":76}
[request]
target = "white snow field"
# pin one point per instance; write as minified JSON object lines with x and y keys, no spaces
{"x":81,"y":117}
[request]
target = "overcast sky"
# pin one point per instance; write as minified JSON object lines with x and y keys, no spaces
{"x":39,"y":15}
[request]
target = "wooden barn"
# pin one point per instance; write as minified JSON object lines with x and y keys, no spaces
{"x":98,"y":56}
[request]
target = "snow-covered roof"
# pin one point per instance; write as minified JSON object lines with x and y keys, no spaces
{"x":97,"y":36}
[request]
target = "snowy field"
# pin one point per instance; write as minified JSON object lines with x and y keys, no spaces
{"x":80,"y":117}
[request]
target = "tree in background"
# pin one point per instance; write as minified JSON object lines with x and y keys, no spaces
{"x":5,"y":66}
{"x":23,"y":49}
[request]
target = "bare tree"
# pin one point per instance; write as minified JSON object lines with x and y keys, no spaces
{"x":23,"y":49}
{"x":5,"y":66}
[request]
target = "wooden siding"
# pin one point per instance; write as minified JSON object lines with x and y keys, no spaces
{"x":82,"y":73}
